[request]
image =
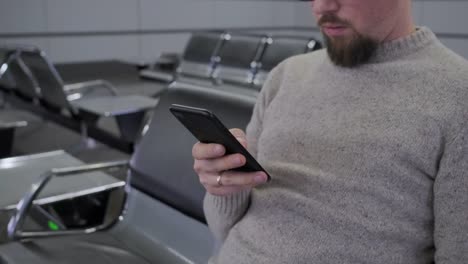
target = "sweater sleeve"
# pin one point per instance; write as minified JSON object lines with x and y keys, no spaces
{"x":451,"y":203}
{"x":223,"y":212}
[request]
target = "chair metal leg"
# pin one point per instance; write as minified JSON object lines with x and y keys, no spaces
{"x":3,"y":101}
{"x":87,"y":119}
{"x":86,"y":141}
{"x":130,"y":125}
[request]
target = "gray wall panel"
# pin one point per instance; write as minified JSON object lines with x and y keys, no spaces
{"x":154,"y":45}
{"x":446,"y":16}
{"x":100,"y":29}
{"x":460,"y":46}
{"x":39,"y":42}
{"x":94,"y":48}
{"x":92,"y":15}
{"x":243,"y":14}
{"x":111,"y":25}
{"x":290,"y":32}
{"x":173,"y":14}
{"x":284,"y":14}
{"x":418,"y":12}
{"x":304,"y":17}
{"x":19,"y":16}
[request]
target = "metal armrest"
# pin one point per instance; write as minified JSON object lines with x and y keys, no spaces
{"x":17,"y":220}
{"x":12,"y":124}
{"x":165,"y":77}
{"x":5,"y":64}
{"x":3,"y":69}
{"x":90,"y":84}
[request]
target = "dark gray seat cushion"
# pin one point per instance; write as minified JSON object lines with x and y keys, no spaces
{"x":170,"y":177}
{"x":150,"y":232}
{"x":96,"y":248}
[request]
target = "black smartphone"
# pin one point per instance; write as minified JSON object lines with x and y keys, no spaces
{"x":207,"y":128}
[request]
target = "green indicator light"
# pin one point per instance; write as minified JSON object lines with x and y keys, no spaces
{"x":53,"y":226}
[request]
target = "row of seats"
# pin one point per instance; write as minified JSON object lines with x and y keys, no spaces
{"x":163,"y":221}
{"x":233,"y":58}
{"x":34,"y":79}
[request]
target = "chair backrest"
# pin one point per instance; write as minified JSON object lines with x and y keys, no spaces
{"x":162,"y":164}
{"x":26,"y":85}
{"x":6,"y":79}
{"x":198,"y":59}
{"x":313,"y":45}
{"x":279,"y":49}
{"x":5,"y":54}
{"x":237,"y":56}
{"x":50,"y":83}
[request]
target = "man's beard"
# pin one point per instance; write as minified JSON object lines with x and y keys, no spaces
{"x":348,"y":51}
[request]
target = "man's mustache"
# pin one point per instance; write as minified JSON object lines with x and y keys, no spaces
{"x":331,"y":18}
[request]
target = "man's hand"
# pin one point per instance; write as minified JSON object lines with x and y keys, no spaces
{"x":215,"y":169}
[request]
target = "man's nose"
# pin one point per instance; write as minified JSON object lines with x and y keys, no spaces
{"x":325,"y":6}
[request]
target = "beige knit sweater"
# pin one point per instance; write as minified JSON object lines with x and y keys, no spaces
{"x":369,"y":165}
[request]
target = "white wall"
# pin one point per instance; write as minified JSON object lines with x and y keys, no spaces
{"x":447,"y":18}
{"x":82,"y":30}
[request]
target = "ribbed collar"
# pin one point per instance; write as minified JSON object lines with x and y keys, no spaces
{"x":394,"y":49}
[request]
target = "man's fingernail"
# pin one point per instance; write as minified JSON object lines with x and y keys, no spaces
{"x":259,"y":178}
{"x":218,"y":149}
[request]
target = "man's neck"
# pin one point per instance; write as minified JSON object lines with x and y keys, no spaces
{"x":401,"y":32}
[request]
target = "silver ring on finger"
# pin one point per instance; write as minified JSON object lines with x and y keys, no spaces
{"x":218,"y":180}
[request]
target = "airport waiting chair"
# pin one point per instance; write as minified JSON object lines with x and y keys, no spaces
{"x":237,"y":58}
{"x":278,"y":49}
{"x":129,"y":111}
{"x":26,"y":86}
{"x":198,"y":60}
{"x":10,"y":120}
{"x":163,"y":221}
{"x":5,"y":88}
{"x":7,"y":83}
{"x":4,"y":59}
{"x":163,"y":69}
{"x":21,"y":174}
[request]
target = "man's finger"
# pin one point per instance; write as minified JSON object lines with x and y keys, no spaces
{"x":220,"y":164}
{"x":235,"y":178}
{"x":223,"y":191}
{"x":207,"y":151}
{"x":238,"y":133}
{"x":240,"y":136}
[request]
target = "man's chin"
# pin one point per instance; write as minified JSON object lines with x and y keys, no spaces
{"x":349,"y":51}
{"x":337,"y":39}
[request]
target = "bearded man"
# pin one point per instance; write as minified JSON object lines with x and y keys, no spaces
{"x":367,"y":145}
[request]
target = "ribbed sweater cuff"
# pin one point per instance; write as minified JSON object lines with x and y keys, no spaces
{"x":230,"y":205}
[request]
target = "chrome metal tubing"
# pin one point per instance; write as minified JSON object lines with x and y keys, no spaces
{"x":17,"y":220}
